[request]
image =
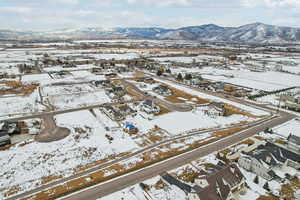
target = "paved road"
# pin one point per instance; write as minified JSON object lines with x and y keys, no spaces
{"x":99,"y":167}
{"x":51,"y":131}
{"x":179,"y":107}
{"x":57,"y":112}
{"x":138,"y":176}
{"x":122,"y":182}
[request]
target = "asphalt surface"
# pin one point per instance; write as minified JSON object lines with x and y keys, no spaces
{"x":99,"y":167}
{"x":179,"y":107}
{"x":51,"y":132}
{"x":57,"y":112}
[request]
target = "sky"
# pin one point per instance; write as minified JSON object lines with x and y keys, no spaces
{"x":38,"y":15}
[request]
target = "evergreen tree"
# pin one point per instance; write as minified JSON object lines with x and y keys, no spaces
{"x":188,"y":77}
{"x":266,"y":186}
{"x":179,"y":77}
{"x":159,"y":73}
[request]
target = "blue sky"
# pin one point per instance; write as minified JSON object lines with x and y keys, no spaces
{"x":58,"y":14}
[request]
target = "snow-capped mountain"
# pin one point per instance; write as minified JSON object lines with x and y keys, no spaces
{"x":256,"y":33}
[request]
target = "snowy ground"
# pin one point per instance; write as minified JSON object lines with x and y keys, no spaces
{"x":290,"y":127}
{"x":136,"y":192}
{"x":275,"y":98}
{"x":26,"y":165}
{"x":176,"y":122}
{"x":20,"y":105}
{"x":77,"y":100}
{"x":267,"y":81}
{"x":252,"y":110}
{"x":200,"y":58}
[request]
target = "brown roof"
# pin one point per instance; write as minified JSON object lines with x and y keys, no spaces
{"x":220,"y":183}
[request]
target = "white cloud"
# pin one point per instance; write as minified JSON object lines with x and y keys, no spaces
{"x":16,"y":9}
{"x":278,"y":3}
{"x":162,"y":3}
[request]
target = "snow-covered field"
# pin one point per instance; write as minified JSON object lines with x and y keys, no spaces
{"x":176,"y":122}
{"x":20,"y":105}
{"x":60,"y":68}
{"x":26,"y":165}
{"x":267,"y":81}
{"x":135,"y":192}
{"x":254,"y":111}
{"x":66,"y":89}
{"x":79,"y":99}
{"x":187,"y":59}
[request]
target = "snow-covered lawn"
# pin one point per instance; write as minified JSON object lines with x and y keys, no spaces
{"x":67,"y":89}
{"x":179,"y":122}
{"x":79,"y":99}
{"x":20,"y":105}
{"x":290,"y":127}
{"x":135,"y":192}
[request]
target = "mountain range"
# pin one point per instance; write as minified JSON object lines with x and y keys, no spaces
{"x":250,"y":33}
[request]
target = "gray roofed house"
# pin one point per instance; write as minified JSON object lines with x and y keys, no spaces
{"x":266,"y":158}
{"x":162,"y":90}
{"x":4,"y":138}
{"x":221,"y":184}
{"x":149,"y":106}
{"x":294,"y":142}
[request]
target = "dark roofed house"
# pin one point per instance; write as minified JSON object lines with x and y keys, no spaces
{"x":163,"y":90}
{"x":149,"y":106}
{"x":4,"y":138}
{"x":113,"y":113}
{"x":215,"y":109}
{"x":221,"y":184}
{"x":266,"y":158}
{"x":115,"y":92}
{"x":294,"y":142}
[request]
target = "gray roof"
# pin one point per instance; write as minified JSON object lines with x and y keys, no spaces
{"x":294,"y":139}
{"x":273,"y":154}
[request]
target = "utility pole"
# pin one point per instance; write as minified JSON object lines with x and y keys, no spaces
{"x":279,"y":103}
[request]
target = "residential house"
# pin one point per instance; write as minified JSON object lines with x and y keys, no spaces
{"x":149,"y":107}
{"x":215,"y":109}
{"x":130,"y":128}
{"x":162,"y":90}
{"x":11,"y":127}
{"x":122,"y":68}
{"x":294,"y":142}
{"x":103,"y":83}
{"x":96,"y":70}
{"x":224,"y":183}
{"x":124,"y":109}
{"x":149,"y":80}
{"x":113,"y":114}
{"x":115,"y":92}
{"x":218,"y":86}
{"x":268,"y":158}
{"x":4,"y":138}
